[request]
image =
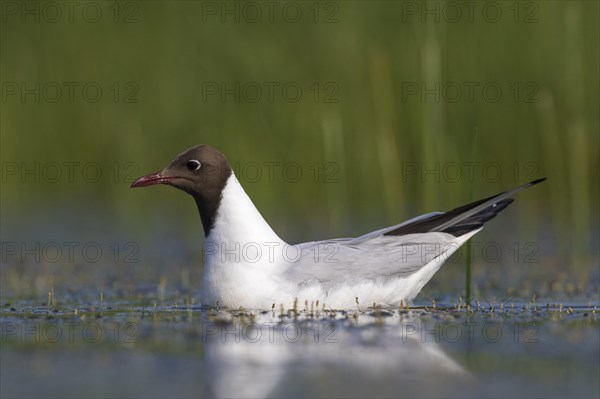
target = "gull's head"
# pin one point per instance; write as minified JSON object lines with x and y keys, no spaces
{"x":201,"y":171}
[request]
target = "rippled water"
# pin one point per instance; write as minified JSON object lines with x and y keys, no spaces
{"x":129,"y":350}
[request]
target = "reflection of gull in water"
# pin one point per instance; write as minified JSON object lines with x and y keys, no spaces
{"x":254,"y":361}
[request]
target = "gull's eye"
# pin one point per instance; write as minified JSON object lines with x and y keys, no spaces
{"x":192,"y":165}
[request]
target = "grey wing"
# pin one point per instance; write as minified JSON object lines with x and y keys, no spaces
{"x":373,"y":258}
{"x":399,"y":250}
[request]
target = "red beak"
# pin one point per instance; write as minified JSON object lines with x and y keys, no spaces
{"x":149,"y":180}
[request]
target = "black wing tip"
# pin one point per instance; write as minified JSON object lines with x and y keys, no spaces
{"x":464,"y":226}
{"x":477,"y":221}
{"x":534,"y":182}
{"x":500,"y":205}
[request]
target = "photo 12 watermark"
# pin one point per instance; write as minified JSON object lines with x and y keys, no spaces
{"x":69,"y":331}
{"x":469,"y":92}
{"x":269,"y":92}
{"x":69,"y":252}
{"x":270,"y":252}
{"x":68,"y":172}
{"x":270,"y":12}
{"x":69,"y":92}
{"x":323,"y":331}
{"x":488,"y":252}
{"x":469,"y":12}
{"x":468,"y":172}
{"x":69,"y":12}
{"x":470,"y":332}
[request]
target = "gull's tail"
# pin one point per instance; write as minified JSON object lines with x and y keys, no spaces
{"x":466,"y":218}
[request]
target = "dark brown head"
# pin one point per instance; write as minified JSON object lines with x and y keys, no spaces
{"x":200,"y":171}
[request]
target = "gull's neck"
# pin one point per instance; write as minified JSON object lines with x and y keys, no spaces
{"x":237,"y":220}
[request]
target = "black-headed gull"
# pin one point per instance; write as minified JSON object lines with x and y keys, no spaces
{"x":247,"y":265}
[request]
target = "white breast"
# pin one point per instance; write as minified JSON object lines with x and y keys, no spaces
{"x":242,"y":254}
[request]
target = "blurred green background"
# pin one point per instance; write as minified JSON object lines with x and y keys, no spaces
{"x":405,"y":108}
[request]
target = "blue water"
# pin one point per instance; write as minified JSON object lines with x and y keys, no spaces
{"x":126,"y":350}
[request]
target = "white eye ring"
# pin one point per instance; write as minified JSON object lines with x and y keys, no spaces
{"x":192,"y":165}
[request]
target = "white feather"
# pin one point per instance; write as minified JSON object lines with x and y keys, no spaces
{"x":248,"y":265}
